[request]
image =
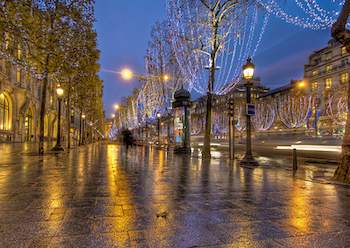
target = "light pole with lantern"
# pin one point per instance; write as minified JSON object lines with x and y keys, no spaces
{"x":158,"y":127}
{"x":248,"y":75}
{"x":60,"y":92}
{"x":83,"y":116}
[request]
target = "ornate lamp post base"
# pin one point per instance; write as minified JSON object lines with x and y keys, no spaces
{"x":57,"y":148}
{"x":182,"y":150}
{"x":249,"y":161}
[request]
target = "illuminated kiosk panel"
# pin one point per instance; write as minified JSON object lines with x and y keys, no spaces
{"x":181,"y":121}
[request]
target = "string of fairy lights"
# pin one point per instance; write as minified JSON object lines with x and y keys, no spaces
{"x":309,"y":14}
{"x":240,"y":36}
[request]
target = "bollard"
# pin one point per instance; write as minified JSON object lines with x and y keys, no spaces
{"x":295,"y":160}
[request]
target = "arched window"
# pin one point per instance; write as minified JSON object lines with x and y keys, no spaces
{"x":4,"y":113}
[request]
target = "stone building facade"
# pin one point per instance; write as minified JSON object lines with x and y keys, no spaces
{"x":20,"y":97}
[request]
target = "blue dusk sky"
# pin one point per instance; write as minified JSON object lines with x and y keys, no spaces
{"x":123,"y":28}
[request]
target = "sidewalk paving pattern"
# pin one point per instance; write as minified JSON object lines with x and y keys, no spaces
{"x":103,"y":196}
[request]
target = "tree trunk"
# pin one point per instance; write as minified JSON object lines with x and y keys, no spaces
{"x":211,"y":81}
{"x":207,"y":132}
{"x":43,"y":106}
{"x":342,"y":174}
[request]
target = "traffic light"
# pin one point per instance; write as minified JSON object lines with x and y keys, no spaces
{"x":231,"y":106}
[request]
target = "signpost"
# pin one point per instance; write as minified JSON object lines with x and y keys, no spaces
{"x":250,"y":109}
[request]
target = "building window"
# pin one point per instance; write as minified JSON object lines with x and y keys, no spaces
{"x":19,"y":52}
{"x":314,"y":86}
{"x":315,"y":73}
{"x":344,"y":62}
{"x":344,"y":77}
{"x":18,"y":75}
{"x":328,"y":56}
{"x":329,"y":68}
{"x":343,"y":51}
{"x":4,"y":113}
{"x":329,"y":83}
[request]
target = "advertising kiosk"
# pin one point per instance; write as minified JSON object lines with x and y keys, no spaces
{"x":181,"y":105}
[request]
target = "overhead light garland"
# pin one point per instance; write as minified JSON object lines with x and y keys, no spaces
{"x":310,"y":14}
{"x":240,"y":37}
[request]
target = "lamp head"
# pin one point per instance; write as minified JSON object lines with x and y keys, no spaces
{"x":166,"y":77}
{"x":127,"y":74}
{"x":248,"y":70}
{"x":59,"y":91}
{"x":301,"y":84}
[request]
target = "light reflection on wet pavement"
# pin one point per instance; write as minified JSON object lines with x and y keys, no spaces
{"x":99,"y":196}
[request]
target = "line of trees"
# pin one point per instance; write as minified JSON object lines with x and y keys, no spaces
{"x":58,"y":45}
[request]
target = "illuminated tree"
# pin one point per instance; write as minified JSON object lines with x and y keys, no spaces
{"x":212,"y":35}
{"x":164,"y":75}
{"x":293,"y":109}
{"x":265,"y":115}
{"x":336,"y":106}
{"x":42,"y":28}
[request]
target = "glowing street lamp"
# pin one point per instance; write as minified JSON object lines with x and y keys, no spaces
{"x":60,"y":92}
{"x":301,"y":84}
{"x":82,"y":129}
{"x":248,"y":75}
{"x":248,"y":70}
{"x":116,"y":107}
{"x":166,"y":77}
{"x":113,"y":116}
{"x":127,"y":74}
{"x":158,"y":127}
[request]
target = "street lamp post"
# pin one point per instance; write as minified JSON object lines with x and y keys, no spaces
{"x":83,"y":116}
{"x":58,"y":146}
{"x":248,"y":75}
{"x":158,"y":128}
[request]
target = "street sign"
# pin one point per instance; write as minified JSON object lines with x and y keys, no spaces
{"x":250,"y":109}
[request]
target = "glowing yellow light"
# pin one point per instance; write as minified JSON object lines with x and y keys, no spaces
{"x":301,"y":84}
{"x":166,"y":77}
{"x":248,"y":70}
{"x":83,"y":116}
{"x":59,"y":91}
{"x":127,"y":74}
{"x":116,"y":106}
{"x":113,"y":115}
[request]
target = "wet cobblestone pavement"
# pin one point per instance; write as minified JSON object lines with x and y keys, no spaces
{"x":99,"y":196}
